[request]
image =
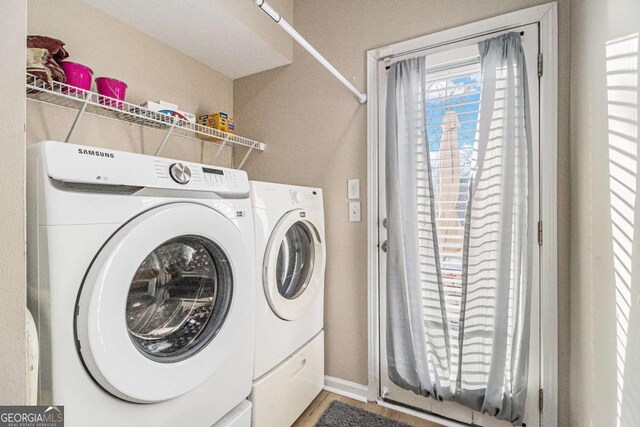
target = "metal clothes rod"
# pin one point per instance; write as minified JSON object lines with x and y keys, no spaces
{"x":362,"y":97}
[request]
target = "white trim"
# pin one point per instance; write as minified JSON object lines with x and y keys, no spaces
{"x":548,"y":212}
{"x":359,"y":392}
{"x":372,"y":226}
{"x":345,"y":388}
{"x":475,"y":29}
{"x":546,"y":16}
{"x":422,"y":415}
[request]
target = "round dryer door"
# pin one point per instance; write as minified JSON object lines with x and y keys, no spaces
{"x":293,"y":265}
{"x":163,"y":303}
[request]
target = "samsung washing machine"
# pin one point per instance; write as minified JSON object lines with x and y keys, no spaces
{"x":141,"y":282}
{"x":290,"y":257}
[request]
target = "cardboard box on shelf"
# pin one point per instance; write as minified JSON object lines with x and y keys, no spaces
{"x":220,"y":121}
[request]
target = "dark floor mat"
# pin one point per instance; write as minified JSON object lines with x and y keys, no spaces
{"x":340,"y":414}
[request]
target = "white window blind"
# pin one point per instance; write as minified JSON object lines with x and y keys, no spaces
{"x":451,"y":114}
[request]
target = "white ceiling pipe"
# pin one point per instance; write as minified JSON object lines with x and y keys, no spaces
{"x":362,"y":97}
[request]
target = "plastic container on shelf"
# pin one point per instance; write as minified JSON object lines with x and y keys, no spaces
{"x":78,"y":75}
{"x":112,"y":90}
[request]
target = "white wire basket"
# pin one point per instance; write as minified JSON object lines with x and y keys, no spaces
{"x":70,"y":97}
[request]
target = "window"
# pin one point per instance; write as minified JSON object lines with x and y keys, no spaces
{"x":451,"y":114}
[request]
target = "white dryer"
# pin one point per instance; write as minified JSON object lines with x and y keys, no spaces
{"x":290,"y":255}
{"x":141,"y":282}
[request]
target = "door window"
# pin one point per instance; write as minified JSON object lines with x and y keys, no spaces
{"x":179,"y":298}
{"x":295,"y":261}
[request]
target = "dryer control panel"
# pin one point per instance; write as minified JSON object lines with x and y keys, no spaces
{"x":267,"y":195}
{"x":303,"y":195}
{"x":89,"y":165}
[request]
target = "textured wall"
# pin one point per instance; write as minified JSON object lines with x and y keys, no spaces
{"x":13,"y":21}
{"x":605,"y":214}
{"x":262,"y":25}
{"x":317,"y":135}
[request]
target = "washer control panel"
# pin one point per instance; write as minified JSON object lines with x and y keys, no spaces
{"x":83,"y":164}
{"x":180,"y":173}
{"x":198,"y":177}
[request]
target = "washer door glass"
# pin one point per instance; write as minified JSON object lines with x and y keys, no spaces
{"x":179,"y":298}
{"x":294,"y":265}
{"x":161,"y":308}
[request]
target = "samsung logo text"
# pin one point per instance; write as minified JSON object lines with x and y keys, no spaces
{"x":95,"y":153}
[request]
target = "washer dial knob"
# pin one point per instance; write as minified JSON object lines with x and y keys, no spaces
{"x":180,"y":173}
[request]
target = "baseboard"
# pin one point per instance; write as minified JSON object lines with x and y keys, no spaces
{"x":422,"y":415}
{"x":345,"y":388}
{"x":359,"y":392}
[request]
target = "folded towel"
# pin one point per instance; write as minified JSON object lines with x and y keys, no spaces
{"x":54,"y":46}
{"x":43,"y":54}
{"x":35,"y":64}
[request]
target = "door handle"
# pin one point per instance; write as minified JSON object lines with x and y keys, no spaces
{"x":384,"y":246}
{"x":385,"y":392}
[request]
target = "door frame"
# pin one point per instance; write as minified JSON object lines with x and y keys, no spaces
{"x":546,"y":16}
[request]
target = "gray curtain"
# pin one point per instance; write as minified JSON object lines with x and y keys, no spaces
{"x":417,"y":339}
{"x":491,"y":347}
{"x":497,"y":260}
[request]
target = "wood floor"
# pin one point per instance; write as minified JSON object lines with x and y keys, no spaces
{"x":312,"y":414}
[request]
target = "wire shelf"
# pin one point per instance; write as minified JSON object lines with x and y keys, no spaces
{"x":66,"y":96}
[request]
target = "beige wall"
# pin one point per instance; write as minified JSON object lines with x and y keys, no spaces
{"x":13,"y":369}
{"x":316,"y":132}
{"x":261,"y":24}
{"x":605,"y":243}
{"x":151,"y":69}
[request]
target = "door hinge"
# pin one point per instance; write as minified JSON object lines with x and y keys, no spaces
{"x":540,"y":233}
{"x":541,"y":400}
{"x":540,"y":65}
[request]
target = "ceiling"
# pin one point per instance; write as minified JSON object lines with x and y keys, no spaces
{"x":235,"y":38}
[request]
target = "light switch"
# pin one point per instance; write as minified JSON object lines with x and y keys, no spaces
{"x":353,"y":189}
{"x":354,"y":211}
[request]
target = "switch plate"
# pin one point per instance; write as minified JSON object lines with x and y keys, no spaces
{"x":353,"y":189}
{"x":354,"y":211}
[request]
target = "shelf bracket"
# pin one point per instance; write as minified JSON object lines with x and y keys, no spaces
{"x":219,"y":150}
{"x":166,"y":137}
{"x":246,"y":156}
{"x":81,"y":111}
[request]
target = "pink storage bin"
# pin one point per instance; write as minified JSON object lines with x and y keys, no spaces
{"x":112,"y":91}
{"x":78,"y":75}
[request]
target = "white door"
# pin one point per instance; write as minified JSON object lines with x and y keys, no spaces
{"x":163,"y":302}
{"x":453,"y":84}
{"x":293,"y":265}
